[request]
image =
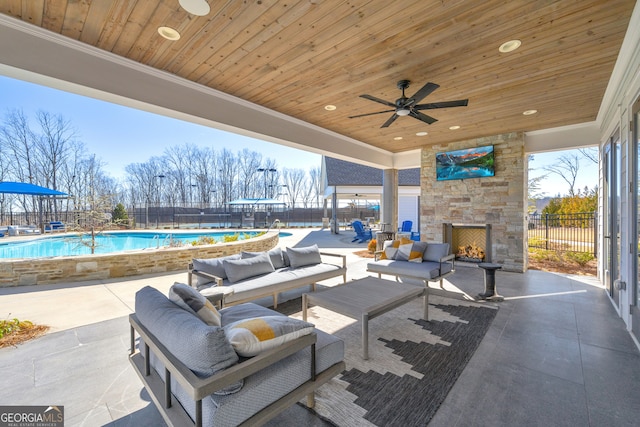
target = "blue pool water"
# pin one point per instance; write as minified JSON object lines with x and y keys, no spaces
{"x":106,"y":243}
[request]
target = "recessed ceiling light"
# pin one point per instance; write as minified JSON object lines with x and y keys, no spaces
{"x":456,"y":127}
{"x":529,"y":112}
{"x":330,"y":107}
{"x":169,"y":33}
{"x":196,"y":7}
{"x":422,"y":134}
{"x":397,"y":138}
{"x":509,"y":46}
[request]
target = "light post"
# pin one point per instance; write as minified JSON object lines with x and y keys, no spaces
{"x":265,"y":170}
{"x":160,"y":177}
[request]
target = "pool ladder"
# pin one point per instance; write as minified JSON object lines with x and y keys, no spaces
{"x":168,"y":237}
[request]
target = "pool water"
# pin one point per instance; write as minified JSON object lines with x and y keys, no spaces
{"x":105,"y":243}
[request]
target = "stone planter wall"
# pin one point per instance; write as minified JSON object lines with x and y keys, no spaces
{"x":132,"y":263}
{"x":499,"y":200}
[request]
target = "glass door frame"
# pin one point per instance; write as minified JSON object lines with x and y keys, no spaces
{"x":634,"y":298}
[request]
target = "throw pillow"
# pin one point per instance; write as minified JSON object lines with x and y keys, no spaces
{"x":202,"y":348}
{"x":250,"y":337}
{"x":300,"y":257}
{"x":275,"y":254}
{"x":435,"y":251}
{"x":193,"y":301}
{"x":407,"y":252}
{"x":212,"y":266}
{"x":241,"y":269}
{"x":389,"y":249}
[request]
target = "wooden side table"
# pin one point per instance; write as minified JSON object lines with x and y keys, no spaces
{"x":490,"y":292}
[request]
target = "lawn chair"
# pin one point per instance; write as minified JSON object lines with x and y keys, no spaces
{"x":406,"y":228}
{"x":363,"y":234}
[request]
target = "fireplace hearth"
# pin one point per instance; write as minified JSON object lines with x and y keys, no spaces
{"x":469,"y":242}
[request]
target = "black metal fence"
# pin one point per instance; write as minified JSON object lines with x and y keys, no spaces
{"x":150,"y":217}
{"x":576,"y":232}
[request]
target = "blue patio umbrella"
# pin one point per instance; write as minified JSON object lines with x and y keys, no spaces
{"x":26,"y":188}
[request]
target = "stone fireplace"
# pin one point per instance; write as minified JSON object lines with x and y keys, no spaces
{"x":469,"y":242}
{"x":500,"y":200}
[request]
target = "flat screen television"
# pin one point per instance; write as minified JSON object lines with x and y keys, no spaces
{"x":463,"y":164}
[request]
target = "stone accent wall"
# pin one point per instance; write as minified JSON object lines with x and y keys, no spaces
{"x":96,"y":267}
{"x":499,"y":200}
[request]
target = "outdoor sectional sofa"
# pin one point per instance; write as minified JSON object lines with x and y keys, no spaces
{"x":251,"y":275}
{"x":428,"y":262}
{"x":224,"y":368}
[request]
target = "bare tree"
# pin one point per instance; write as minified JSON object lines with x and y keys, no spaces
{"x":294,"y":179}
{"x":567,"y":168}
{"x":590,"y":153}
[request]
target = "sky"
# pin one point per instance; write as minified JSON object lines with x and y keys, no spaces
{"x":120,"y":135}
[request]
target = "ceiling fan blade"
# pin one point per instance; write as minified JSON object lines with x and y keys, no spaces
{"x":371,"y":114}
{"x":446,"y":104}
{"x":381,"y":101}
{"x":423,"y":92}
{"x":422,"y":117}
{"x":391,"y":120}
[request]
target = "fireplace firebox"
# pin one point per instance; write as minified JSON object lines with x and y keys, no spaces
{"x":469,"y":242}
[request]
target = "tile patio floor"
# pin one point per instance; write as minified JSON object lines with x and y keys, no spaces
{"x":556,"y":354}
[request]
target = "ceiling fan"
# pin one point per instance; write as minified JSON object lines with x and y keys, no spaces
{"x":409,"y":106}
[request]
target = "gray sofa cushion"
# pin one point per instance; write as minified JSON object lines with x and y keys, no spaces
{"x":267,"y":385}
{"x":212,"y":266}
{"x":202,"y":348}
{"x":275,"y":255}
{"x":300,"y":257}
{"x":425,"y":270}
{"x":280,"y":280}
{"x":241,"y":269}
{"x":435,"y":251}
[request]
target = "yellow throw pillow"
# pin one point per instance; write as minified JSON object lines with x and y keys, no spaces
{"x":390,"y":250}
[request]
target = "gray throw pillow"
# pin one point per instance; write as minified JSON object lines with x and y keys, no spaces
{"x":275,"y":254}
{"x":212,"y":266}
{"x":241,"y":269}
{"x":300,"y":257}
{"x":202,"y":348}
{"x":435,"y":251}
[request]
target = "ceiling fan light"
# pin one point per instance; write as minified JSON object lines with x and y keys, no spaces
{"x":403,"y":112}
{"x":196,"y":7}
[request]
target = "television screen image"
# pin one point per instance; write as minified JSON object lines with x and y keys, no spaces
{"x":463,"y":164}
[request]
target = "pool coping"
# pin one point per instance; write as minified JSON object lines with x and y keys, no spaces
{"x":68,"y":269}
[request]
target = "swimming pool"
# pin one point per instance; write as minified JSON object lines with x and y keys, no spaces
{"x":110,"y":242}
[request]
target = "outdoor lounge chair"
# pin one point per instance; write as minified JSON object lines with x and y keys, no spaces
{"x":55,"y":226}
{"x":363,"y":234}
{"x":406,"y":228}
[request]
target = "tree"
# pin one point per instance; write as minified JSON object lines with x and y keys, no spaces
{"x":567,"y":167}
{"x":119,"y":215}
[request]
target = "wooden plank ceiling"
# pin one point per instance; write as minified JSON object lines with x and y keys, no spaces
{"x":298,"y":56}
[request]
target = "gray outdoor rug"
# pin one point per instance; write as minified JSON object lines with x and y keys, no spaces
{"x":412,"y":363}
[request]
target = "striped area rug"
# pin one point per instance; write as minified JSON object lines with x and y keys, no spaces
{"x":412,"y":363}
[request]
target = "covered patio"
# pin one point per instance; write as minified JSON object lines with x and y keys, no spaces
{"x":560,"y":351}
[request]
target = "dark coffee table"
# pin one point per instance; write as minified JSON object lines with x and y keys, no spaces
{"x":364,"y":299}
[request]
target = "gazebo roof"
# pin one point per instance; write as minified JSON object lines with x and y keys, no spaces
{"x":26,"y":188}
